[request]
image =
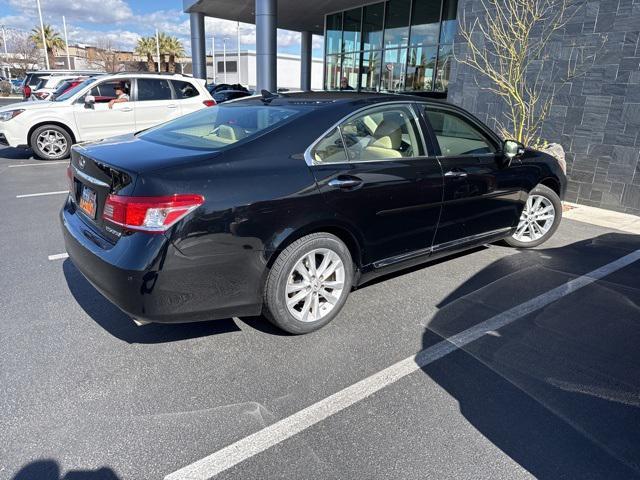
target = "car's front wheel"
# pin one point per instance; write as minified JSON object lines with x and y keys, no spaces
{"x":308,"y":283}
{"x":539,"y":220}
{"x":51,"y":142}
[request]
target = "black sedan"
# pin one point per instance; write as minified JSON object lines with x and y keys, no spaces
{"x":282,"y":204}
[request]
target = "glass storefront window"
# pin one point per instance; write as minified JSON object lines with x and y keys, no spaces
{"x":449,"y":22}
{"x":421,"y":66}
{"x":352,"y":26}
{"x":443,"y":69}
{"x":372,"y":21}
{"x":332,"y":66}
{"x":334,"y":33}
{"x":393,"y":69}
{"x":370,"y":74}
{"x":425,"y":22}
{"x":350,"y":71}
{"x":396,"y":30}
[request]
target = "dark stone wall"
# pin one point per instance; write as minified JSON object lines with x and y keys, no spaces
{"x":596,"y":116}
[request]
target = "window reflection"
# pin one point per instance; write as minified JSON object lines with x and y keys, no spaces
{"x":449,"y":22}
{"x":393,"y":70}
{"x":352,"y":26}
{"x":396,"y":33}
{"x":332,"y":72}
{"x":349,"y":71}
{"x":370,"y":78}
{"x":334,"y":33}
{"x":443,"y":70}
{"x":372,"y":19}
{"x":421,"y":66}
{"x":425,"y":23}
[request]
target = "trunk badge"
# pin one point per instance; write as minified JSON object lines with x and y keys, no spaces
{"x":81,"y":162}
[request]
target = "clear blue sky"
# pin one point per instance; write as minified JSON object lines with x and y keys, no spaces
{"x":122,"y":22}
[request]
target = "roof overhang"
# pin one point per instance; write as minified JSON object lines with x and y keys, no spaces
{"x":298,"y":15}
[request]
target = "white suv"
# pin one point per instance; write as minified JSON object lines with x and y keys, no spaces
{"x":84,"y":113}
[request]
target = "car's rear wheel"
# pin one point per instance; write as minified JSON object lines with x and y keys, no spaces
{"x":539,"y":220}
{"x":308,"y":283}
{"x":51,"y":142}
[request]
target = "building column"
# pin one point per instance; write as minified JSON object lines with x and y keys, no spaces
{"x":198,"y":52}
{"x":305,"y":60}
{"x":266,"y":45}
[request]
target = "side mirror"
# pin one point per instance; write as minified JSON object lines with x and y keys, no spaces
{"x":512,"y":149}
{"x":89,"y":101}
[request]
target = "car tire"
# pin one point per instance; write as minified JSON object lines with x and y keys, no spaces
{"x":540,"y":219}
{"x":51,"y":142}
{"x":298,"y":305}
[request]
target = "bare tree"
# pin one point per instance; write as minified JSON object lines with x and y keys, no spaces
{"x":508,"y":44}
{"x":105,"y":57}
{"x":24,"y":52}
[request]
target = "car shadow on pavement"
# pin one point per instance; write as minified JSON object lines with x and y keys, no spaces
{"x":18,"y":154}
{"x":50,"y":470}
{"x":121,"y":326}
{"x":557,"y":390}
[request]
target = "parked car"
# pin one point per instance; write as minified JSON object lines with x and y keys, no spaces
{"x":17,"y":85}
{"x":48,"y":85}
{"x":283,"y":203}
{"x":224,"y":92}
{"x":83,"y":113}
{"x":31,"y":79}
{"x":65,"y":86}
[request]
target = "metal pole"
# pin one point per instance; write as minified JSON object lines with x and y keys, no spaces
{"x":158,"y":50}
{"x":66,"y":40}
{"x":198,"y":50}
{"x":224,"y":58}
{"x":266,"y":40}
{"x":44,"y":43}
{"x":6,"y":53}
{"x":238,"y":67}
{"x":305,"y":60}
{"x":213,"y":58}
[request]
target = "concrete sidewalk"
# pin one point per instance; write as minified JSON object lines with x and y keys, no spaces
{"x":603,"y":218}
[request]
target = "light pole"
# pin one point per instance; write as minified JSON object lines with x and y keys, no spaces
{"x":158,"y":49}
{"x":238,"y":67}
{"x":44,"y":42}
{"x":224,"y":58}
{"x":213,"y":58}
{"x":66,"y":41}
{"x":6,"y":53}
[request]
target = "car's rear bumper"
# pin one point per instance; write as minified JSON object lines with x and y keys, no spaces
{"x":149,"y":279}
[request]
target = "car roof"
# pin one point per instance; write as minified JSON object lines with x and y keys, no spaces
{"x":338,"y":97}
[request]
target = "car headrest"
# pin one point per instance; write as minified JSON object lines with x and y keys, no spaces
{"x":389,"y":132}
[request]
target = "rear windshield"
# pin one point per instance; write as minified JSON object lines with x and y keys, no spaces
{"x":217,"y":127}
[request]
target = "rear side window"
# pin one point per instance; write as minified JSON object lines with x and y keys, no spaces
{"x":152,"y":89}
{"x":219,"y":126}
{"x":184,"y":89}
{"x":456,"y":135}
{"x":330,"y":149}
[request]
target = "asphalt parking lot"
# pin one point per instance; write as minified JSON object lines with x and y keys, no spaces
{"x":549,"y":388}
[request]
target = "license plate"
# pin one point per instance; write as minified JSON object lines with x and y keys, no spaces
{"x":88,"y":201}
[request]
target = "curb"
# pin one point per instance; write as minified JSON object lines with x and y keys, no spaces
{"x":625,"y":222}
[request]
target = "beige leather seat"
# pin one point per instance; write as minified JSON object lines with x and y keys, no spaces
{"x":387,"y":139}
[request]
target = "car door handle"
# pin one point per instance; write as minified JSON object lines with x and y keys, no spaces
{"x":455,"y":173}
{"x":345,"y":182}
{"x":125,"y":109}
{"x":173,"y":105}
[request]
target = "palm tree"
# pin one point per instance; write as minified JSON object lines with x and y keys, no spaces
{"x":52,"y":39}
{"x":146,"y":46}
{"x":171,"y":46}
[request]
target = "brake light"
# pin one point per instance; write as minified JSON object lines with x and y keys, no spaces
{"x":27,"y":91}
{"x":150,"y":214}
{"x":209,"y":103}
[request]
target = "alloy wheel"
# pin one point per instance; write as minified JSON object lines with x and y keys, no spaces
{"x":51,"y":143}
{"x":536,"y":219}
{"x":315,"y":285}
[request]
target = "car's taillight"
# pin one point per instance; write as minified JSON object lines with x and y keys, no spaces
{"x":209,"y":103}
{"x":27,"y":91}
{"x":149,"y":214}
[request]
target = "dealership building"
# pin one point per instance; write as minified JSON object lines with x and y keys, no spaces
{"x":407,"y":46}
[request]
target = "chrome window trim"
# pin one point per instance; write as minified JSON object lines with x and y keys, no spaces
{"x":89,"y":178}
{"x":308,"y":158}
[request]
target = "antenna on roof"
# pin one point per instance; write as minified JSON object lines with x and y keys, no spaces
{"x":267,"y":96}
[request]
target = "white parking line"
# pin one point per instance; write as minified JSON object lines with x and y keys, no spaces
{"x":280,"y":431}
{"x":39,"y":164}
{"x":58,"y":256}
{"x":42,"y":194}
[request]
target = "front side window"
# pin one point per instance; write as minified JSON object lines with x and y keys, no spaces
{"x":104,"y":92}
{"x":382,"y":133}
{"x":456,"y":135}
{"x":219,"y":126}
{"x":152,"y":89}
